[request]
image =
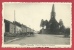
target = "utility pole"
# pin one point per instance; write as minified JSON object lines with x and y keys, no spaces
{"x":14,"y":23}
{"x":30,"y":28}
{"x":14,"y":15}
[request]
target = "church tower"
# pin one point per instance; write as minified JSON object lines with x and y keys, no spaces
{"x":53,"y":24}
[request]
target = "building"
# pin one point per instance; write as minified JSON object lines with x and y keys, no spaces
{"x":16,"y":28}
{"x":24,"y":28}
{"x":28,"y":29}
{"x":53,"y":25}
{"x":9,"y":26}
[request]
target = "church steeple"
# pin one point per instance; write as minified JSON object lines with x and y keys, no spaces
{"x":53,"y":25}
{"x":53,"y":8}
{"x":53,"y":12}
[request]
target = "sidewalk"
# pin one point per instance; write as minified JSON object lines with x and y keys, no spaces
{"x":10,"y":39}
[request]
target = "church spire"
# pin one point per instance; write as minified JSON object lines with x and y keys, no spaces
{"x":53,"y":12}
{"x":53,"y":8}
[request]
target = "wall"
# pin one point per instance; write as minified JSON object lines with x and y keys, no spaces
{"x":11,"y":28}
{"x":24,"y":29}
{"x":28,"y":29}
{"x":18,"y":29}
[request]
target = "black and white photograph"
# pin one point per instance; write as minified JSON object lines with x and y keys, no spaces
{"x":37,"y":24}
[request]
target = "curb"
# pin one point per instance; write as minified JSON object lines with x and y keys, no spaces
{"x":12,"y":40}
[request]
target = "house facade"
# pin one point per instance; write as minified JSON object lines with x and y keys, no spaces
{"x":9,"y":26}
{"x":15,"y":27}
{"x":24,"y":28}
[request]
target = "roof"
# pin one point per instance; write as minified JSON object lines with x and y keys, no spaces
{"x":7,"y":21}
{"x":17,"y":23}
{"x":24,"y":25}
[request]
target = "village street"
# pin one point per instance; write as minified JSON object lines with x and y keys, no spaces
{"x":42,"y":39}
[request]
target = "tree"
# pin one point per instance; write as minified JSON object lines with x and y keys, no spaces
{"x":67,"y":32}
{"x":60,"y":22}
{"x":46,"y":24}
{"x":61,"y":26}
{"x":42,"y":23}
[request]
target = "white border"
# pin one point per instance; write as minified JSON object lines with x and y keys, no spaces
{"x":34,"y":45}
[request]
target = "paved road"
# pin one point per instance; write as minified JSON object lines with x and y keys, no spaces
{"x":42,"y":39}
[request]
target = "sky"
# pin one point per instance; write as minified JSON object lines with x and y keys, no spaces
{"x":31,"y":13}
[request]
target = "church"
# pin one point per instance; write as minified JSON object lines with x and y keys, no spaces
{"x":52,"y":26}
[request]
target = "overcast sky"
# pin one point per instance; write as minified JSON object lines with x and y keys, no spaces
{"x":30,"y":14}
